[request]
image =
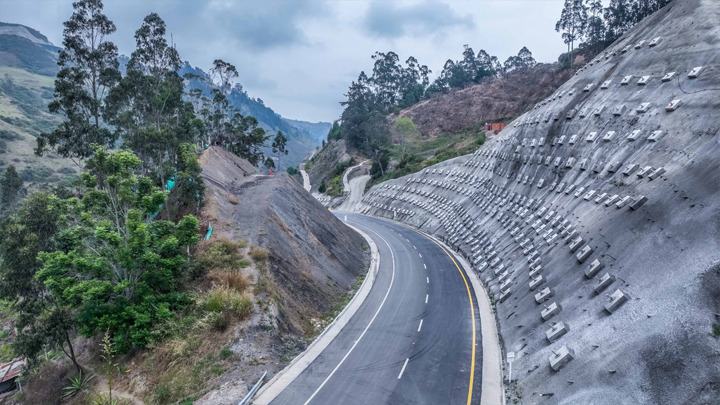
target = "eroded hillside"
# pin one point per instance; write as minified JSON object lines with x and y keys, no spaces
{"x":593,"y":221}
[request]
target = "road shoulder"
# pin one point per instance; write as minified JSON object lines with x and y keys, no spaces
{"x":284,"y":378}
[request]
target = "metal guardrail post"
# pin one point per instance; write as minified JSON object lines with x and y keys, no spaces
{"x":253,"y":391}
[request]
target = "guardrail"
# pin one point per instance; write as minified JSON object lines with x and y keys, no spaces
{"x":255,"y":388}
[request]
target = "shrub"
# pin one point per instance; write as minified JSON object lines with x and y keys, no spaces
{"x":243,"y":306}
{"x":258,"y":254}
{"x":225,"y":301}
{"x":221,"y":254}
{"x":225,"y":353}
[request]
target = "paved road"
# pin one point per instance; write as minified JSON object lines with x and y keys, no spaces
{"x":357,"y":189}
{"x":411,"y":340}
{"x":346,"y":183}
{"x":306,"y":180}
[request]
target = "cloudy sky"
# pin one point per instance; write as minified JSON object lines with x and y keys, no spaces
{"x":300,"y":56}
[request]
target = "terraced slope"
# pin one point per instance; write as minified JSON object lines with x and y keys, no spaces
{"x":594,"y":219}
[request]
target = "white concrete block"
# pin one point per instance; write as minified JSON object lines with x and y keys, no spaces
{"x":550,"y":311}
{"x":674,"y":105}
{"x":595,"y":266}
{"x":695,"y":72}
{"x":608,"y":136}
{"x":668,"y":77}
{"x":643,"y":108}
{"x":561,"y":357}
{"x":656,"y":136}
{"x":584,"y":253}
{"x":617,"y":298}
{"x":604,"y":282}
{"x":556,"y":332}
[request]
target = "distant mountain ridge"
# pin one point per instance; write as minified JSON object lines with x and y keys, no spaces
{"x":27,"y":49}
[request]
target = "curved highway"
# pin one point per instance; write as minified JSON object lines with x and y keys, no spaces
{"x":414,"y":340}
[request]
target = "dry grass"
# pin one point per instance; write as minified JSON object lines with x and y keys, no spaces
{"x":233,"y":200}
{"x":222,"y":254}
{"x":258,"y":254}
{"x":229,"y":279}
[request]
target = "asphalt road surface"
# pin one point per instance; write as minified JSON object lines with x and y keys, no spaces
{"x":411,"y":341}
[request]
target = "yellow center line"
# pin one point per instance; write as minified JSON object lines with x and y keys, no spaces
{"x":472,"y":312}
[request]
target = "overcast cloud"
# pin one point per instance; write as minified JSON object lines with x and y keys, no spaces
{"x":300,"y":56}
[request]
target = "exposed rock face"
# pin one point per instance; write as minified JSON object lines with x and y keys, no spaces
{"x":498,"y":100}
{"x":313,"y":256}
{"x":627,"y":259}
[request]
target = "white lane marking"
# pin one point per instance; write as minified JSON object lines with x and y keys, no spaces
{"x":425,"y":265}
{"x":426,"y":297}
{"x":407,"y":240}
{"x":415,"y":247}
{"x":428,"y":280}
{"x":420,"y":327}
{"x":420,"y":255}
{"x":392,"y":279}
{"x":403,"y":369}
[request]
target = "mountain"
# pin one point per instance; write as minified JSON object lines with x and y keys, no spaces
{"x":28,"y":64}
{"x":25,"y":48}
{"x":300,"y":142}
{"x":318,"y":130}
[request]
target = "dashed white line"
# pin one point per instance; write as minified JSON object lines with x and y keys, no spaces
{"x":420,"y":255}
{"x":415,"y":247}
{"x":403,"y":369}
{"x":425,"y":265}
{"x":428,"y":280}
{"x":420,"y":327}
{"x":426,"y":297}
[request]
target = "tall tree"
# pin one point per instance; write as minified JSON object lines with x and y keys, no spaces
{"x":147,"y":108}
{"x":41,"y":321}
{"x":279,"y":145}
{"x":223,"y":73}
{"x":572,"y":22}
{"x":619,"y":18}
{"x":88,"y":70}
{"x":596,"y":32}
{"x":11,"y":188}
{"x":523,"y":60}
{"x":386,"y":78}
{"x":117,"y":270}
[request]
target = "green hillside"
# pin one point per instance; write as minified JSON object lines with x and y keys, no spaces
{"x":23,"y":115}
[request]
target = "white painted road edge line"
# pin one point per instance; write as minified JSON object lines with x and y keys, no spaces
{"x":392,"y":279}
{"x":403,"y":369}
{"x":282,"y":379}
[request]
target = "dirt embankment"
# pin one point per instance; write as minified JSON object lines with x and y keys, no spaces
{"x":314,"y":258}
{"x":322,"y":165}
{"x":498,"y":100}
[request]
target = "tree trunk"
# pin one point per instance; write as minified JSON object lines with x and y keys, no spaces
{"x":72,"y":353}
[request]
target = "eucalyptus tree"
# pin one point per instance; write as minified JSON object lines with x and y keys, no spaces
{"x":572,"y":22}
{"x":88,"y":71}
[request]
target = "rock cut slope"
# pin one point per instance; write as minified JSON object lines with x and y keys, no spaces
{"x":594,"y":221}
{"x":314,"y":258}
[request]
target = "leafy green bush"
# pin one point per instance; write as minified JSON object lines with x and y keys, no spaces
{"x":292,"y":171}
